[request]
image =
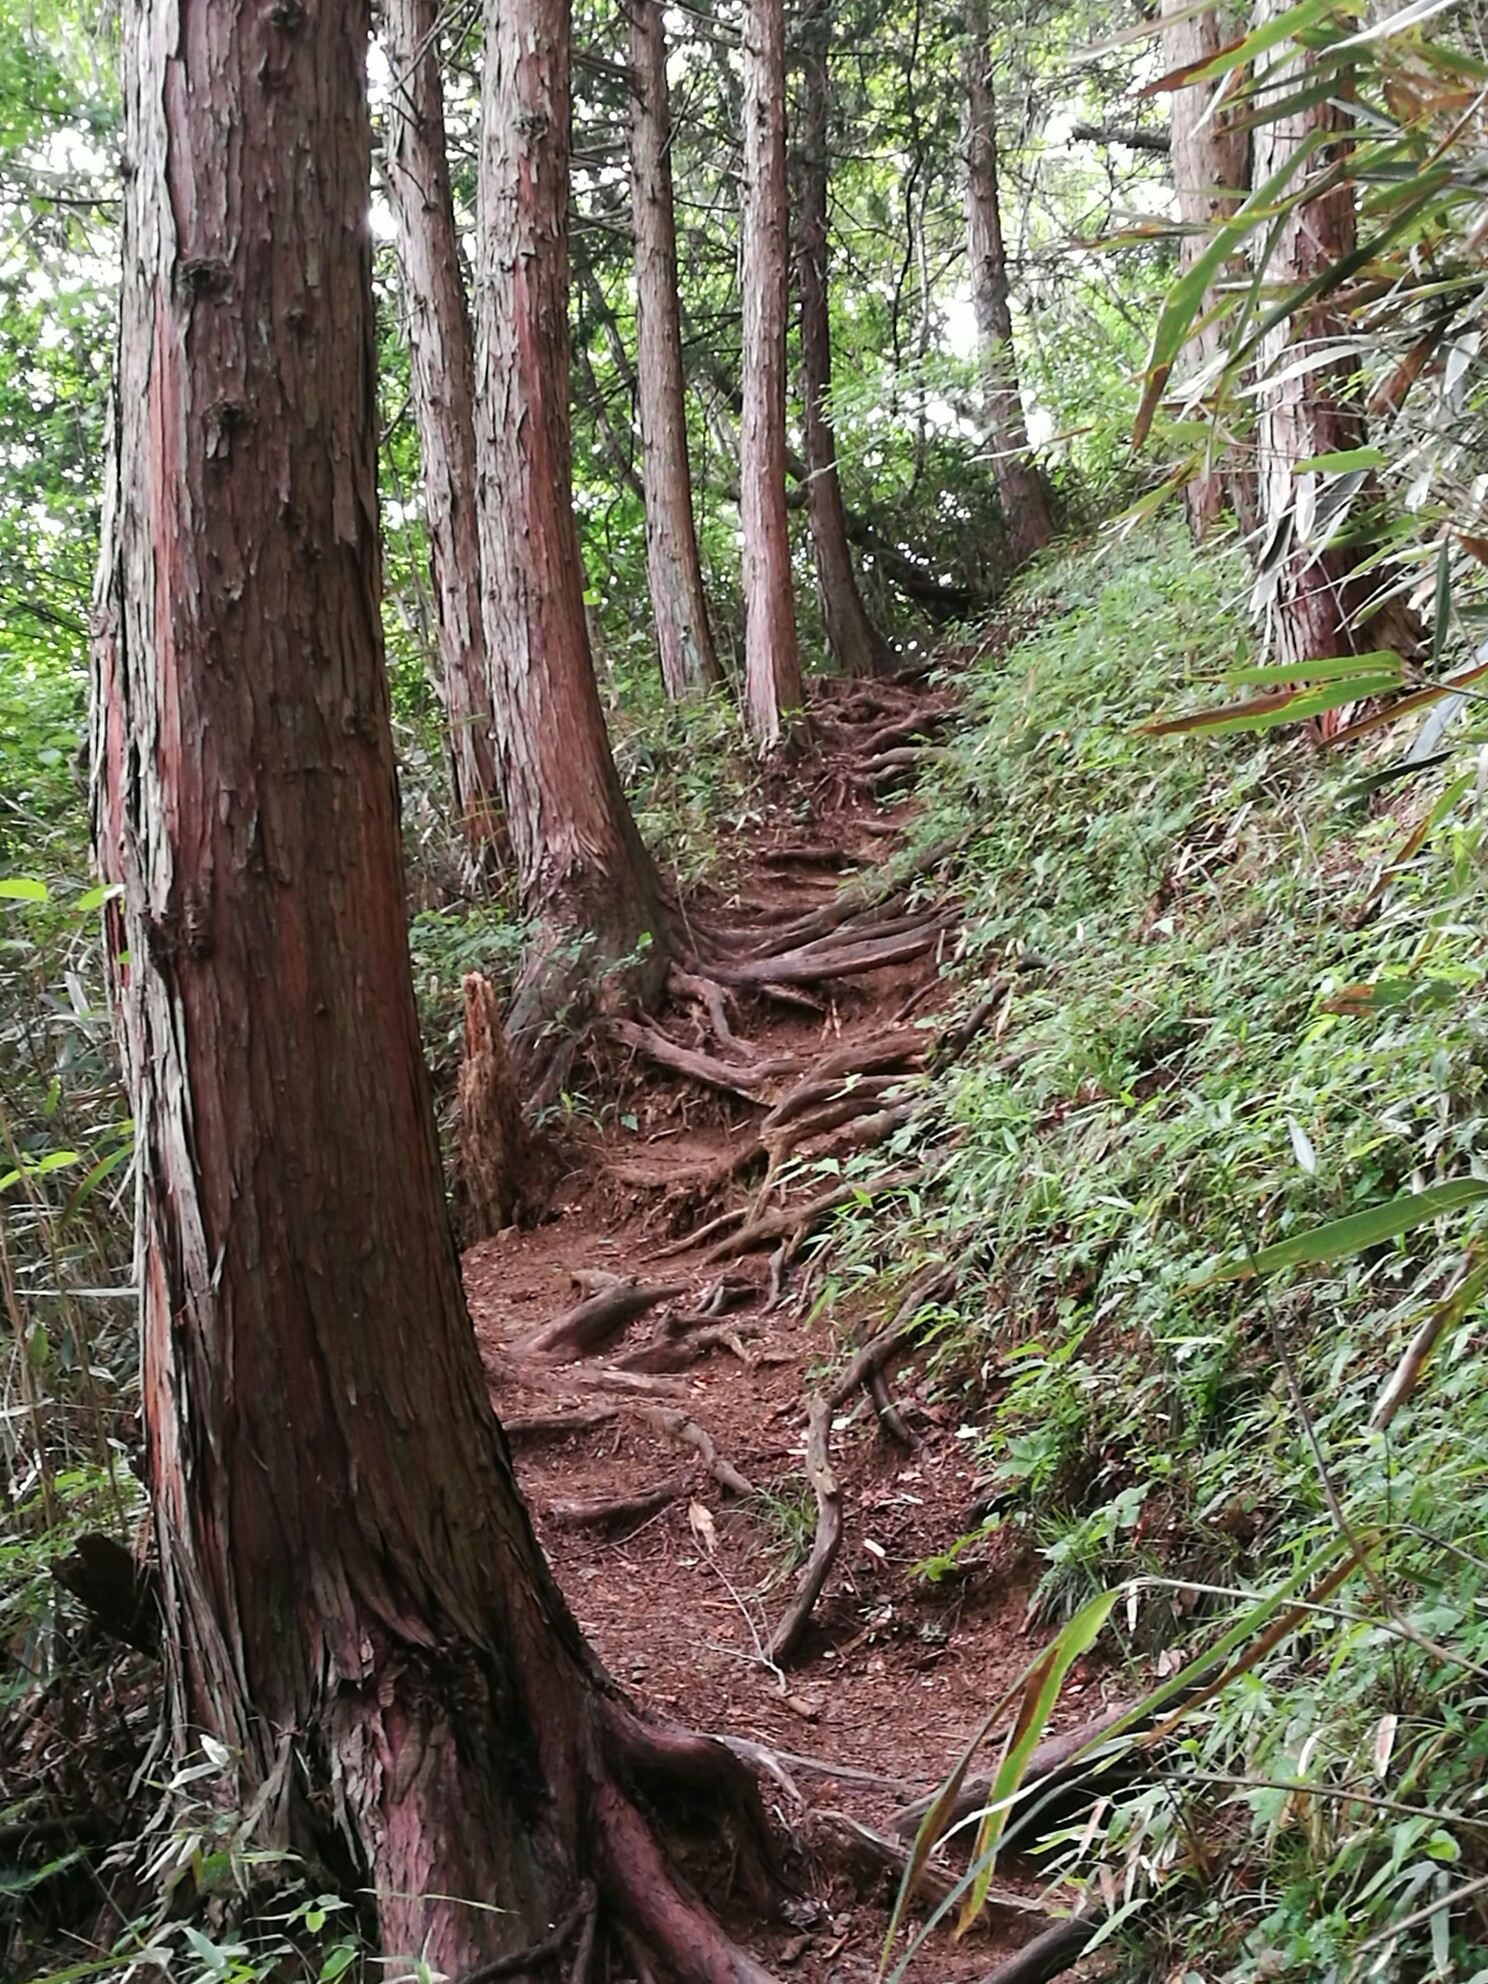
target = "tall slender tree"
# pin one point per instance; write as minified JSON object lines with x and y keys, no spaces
{"x":673,"y":569}
{"x":1307,"y":404}
{"x":1025,"y":502}
{"x":857,"y":644}
{"x":772,"y":660}
{"x":443,"y":382}
{"x":1211,"y":171}
{"x":355,"y":1604}
{"x":582,"y":868}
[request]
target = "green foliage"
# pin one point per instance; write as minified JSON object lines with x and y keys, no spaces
{"x":1202,"y":1063}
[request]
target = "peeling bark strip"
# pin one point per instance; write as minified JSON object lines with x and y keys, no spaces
{"x":1025,"y":507}
{"x":772,"y":661}
{"x":673,"y":569}
{"x":442,"y":366}
{"x":581,"y":866}
{"x":352,"y":1597}
{"x":855,"y":642}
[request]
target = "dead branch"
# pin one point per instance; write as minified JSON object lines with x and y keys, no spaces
{"x":684,"y":1432}
{"x":606,"y":1512}
{"x":787,"y":1635}
{"x":585,"y":1328}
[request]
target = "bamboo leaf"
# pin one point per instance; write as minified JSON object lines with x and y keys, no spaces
{"x":1343,"y":1237}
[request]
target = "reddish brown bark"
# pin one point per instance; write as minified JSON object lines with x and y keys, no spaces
{"x":856,"y":643}
{"x":1025,"y":503}
{"x":442,"y":368}
{"x":673,"y":569}
{"x":354,"y":1601}
{"x":1210,"y":157}
{"x":1311,"y":597}
{"x":580,"y":862}
{"x":772,"y":660}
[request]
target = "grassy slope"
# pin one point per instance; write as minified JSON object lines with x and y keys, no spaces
{"x":1171,"y":1089}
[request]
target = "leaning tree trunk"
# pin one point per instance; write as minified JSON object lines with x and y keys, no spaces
{"x":772,"y":661}
{"x":1211,"y":170}
{"x":1306,"y":408}
{"x":443,"y":381}
{"x":673,"y":569}
{"x":858,"y":646}
{"x":355,"y":1604}
{"x":581,"y":866}
{"x":1020,"y":487}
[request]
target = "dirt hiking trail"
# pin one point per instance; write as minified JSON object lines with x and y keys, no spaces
{"x":657,"y":1351}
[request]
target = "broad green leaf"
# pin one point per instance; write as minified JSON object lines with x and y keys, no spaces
{"x":1340,"y":463}
{"x":1342,"y":1237}
{"x":23,"y":888}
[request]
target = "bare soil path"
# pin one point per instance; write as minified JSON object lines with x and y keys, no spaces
{"x":661,"y":1430}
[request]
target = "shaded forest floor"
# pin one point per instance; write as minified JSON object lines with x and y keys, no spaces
{"x":681,"y":1564}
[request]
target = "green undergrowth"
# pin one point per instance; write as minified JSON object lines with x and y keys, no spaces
{"x":1177,"y":1072}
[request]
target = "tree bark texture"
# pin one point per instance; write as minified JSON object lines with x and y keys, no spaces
{"x":673,"y":569}
{"x":581,"y":866}
{"x":354,"y":1601}
{"x":442,"y":366}
{"x":1211,"y":171}
{"x":855,"y":642}
{"x":1309,"y":595}
{"x":772,"y":660}
{"x":1025,"y":503}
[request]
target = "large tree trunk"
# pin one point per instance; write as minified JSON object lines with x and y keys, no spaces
{"x":1025,"y":503}
{"x":858,"y":646}
{"x":1310,"y":595}
{"x":673,"y":569}
{"x":772,"y":660}
{"x":581,"y":866}
{"x":354,"y":1600}
{"x":1210,"y":157}
{"x":443,"y":379}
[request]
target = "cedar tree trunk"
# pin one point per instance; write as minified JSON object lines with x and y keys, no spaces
{"x":354,"y":1601}
{"x":1311,"y":596}
{"x":442,"y":365}
{"x":581,"y":867}
{"x":858,"y":646}
{"x":1025,"y":504}
{"x":673,"y":569}
{"x":1211,"y":170}
{"x":772,"y":660}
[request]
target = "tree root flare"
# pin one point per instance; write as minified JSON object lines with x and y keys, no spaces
{"x":578,"y":1921}
{"x":590,"y":1325}
{"x":788,"y":1634}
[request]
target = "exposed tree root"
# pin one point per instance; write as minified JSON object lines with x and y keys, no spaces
{"x":811,"y":964}
{"x":1049,"y":1769}
{"x":807,"y":1095}
{"x":811,"y":854}
{"x":713,"y":999}
{"x":889,"y":1416}
{"x":678,"y":1353}
{"x":558,"y":1425}
{"x":536,"y":1955}
{"x":733,"y":1077}
{"x":1048,"y":1956}
{"x":788,"y":1634}
{"x":789,"y":1222}
{"x":590,"y":1325}
{"x":867,"y":1857}
{"x":618,"y":1511}
{"x":873,"y":1355}
{"x":684,"y":1432}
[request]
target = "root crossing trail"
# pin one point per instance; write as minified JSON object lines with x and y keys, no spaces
{"x":734,"y":1488}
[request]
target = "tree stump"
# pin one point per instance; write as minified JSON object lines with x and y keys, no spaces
{"x":491,"y":1129}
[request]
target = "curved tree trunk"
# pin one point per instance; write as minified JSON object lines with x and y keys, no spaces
{"x":580,"y":863}
{"x":772,"y":660}
{"x":673,"y":569}
{"x":1025,"y":503}
{"x":1210,"y":158}
{"x":443,"y":379}
{"x":355,"y":1603}
{"x":857,"y":644}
